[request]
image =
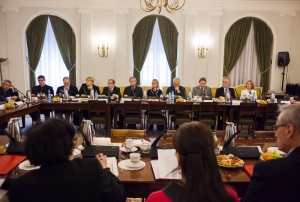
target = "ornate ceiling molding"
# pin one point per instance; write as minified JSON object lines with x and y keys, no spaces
{"x":10,"y":8}
{"x":288,"y":13}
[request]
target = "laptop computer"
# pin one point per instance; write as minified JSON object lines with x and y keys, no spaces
{"x":154,"y":147}
{"x":14,"y":147}
{"x":91,"y":150}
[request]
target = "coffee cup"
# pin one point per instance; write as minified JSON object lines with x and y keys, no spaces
{"x":129,"y":143}
{"x":145,"y":147}
{"x":135,"y":158}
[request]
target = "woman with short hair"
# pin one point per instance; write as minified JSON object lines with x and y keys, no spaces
{"x":86,"y":87}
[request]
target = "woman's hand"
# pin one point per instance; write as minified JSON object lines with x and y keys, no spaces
{"x":102,"y":160}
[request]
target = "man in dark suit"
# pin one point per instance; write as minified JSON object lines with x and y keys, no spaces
{"x":176,"y":88}
{"x":111,"y":89}
{"x":221,"y":92}
{"x":42,"y":89}
{"x":7,"y":91}
{"x":72,"y":91}
{"x":279,"y":179}
{"x":133,"y":89}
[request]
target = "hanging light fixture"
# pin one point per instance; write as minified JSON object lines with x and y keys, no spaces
{"x":150,"y":5}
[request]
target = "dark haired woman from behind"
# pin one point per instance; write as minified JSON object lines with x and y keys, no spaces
{"x":201,"y":180}
{"x":50,"y":144}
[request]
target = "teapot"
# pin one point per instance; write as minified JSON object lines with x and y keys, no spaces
{"x":88,"y":130}
{"x":13,"y":128}
{"x":229,"y":131}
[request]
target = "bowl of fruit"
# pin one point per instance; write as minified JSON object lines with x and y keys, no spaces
{"x":180,"y":100}
{"x":56,"y":99}
{"x":9,"y":105}
{"x":271,"y":154}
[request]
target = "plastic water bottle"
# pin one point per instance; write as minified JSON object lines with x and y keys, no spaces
{"x":172,"y":97}
{"x":169,"y":98}
{"x":96,"y":95}
{"x":227,"y":96}
{"x":252,"y":97}
{"x":190,"y":95}
{"x":49,"y":96}
{"x":145,"y":95}
{"x":92,"y":95}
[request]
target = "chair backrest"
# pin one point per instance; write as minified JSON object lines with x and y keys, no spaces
{"x":207,"y":108}
{"x":184,"y":108}
{"x":132,"y":107}
{"x":164,"y":89}
{"x":187,"y":88}
{"x":272,"y":109}
{"x":122,"y":90}
{"x":156,"y":108}
{"x":213,"y":91}
{"x":248,"y":109}
{"x":170,"y":133}
{"x":101,"y":89}
{"x":264,"y":134}
{"x":97,"y":106}
{"x":125,"y":133}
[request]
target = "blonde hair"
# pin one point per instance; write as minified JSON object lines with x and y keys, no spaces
{"x":89,"y":78}
{"x":251,"y":82}
{"x":156,"y":82}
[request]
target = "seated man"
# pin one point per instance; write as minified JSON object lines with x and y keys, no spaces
{"x":221,"y":92}
{"x":279,"y":179}
{"x":202,"y":90}
{"x":7,"y":92}
{"x":176,"y":88}
{"x":42,"y":88}
{"x":72,"y":91}
{"x":50,"y":144}
{"x":133,"y":89}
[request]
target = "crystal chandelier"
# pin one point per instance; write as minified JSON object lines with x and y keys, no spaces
{"x":150,"y":5}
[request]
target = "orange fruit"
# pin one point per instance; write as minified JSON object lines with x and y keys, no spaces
{"x":269,"y":158}
{"x":1,"y":149}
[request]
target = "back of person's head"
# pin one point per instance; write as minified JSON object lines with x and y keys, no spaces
{"x":290,"y":114}
{"x":49,"y":142}
{"x":194,"y":143}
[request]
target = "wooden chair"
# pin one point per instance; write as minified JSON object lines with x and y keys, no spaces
{"x":98,"y":112}
{"x":264,"y":134}
{"x":156,"y":114}
{"x":207,"y":113}
{"x":271,"y":115}
{"x":125,"y":133}
{"x":183,"y":113}
{"x":132,"y":113}
{"x":169,"y":133}
{"x":247,"y":115}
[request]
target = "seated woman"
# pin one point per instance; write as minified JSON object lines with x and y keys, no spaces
{"x":249,"y":91}
{"x":154,"y":91}
{"x":201,"y":178}
{"x":49,"y":144}
{"x":86,"y":87}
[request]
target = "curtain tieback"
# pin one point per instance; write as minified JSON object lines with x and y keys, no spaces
{"x":265,"y":70}
{"x":30,"y":68}
{"x":137,"y":69}
{"x":72,"y":67}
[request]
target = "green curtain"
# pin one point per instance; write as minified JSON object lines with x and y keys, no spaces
{"x":141,"y":39}
{"x":263,"y":45}
{"x":35,"y":35}
{"x":169,"y":36}
{"x":235,"y":42}
{"x":66,"y":42}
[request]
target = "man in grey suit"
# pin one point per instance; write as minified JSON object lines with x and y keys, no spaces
{"x":202,"y":90}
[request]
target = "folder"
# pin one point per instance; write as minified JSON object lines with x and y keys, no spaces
{"x":9,"y":162}
{"x":249,"y":169}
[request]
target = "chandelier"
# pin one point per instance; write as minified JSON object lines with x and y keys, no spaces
{"x":150,"y":5}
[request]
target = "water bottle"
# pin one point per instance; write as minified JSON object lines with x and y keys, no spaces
{"x":92,"y":95}
{"x":144,"y":95}
{"x":253,"y":97}
{"x":190,"y":95}
{"x":227,"y":96}
{"x":169,"y":98}
{"x":66,"y":94}
{"x":172,"y":97}
{"x":96,"y":95}
{"x":49,"y":96}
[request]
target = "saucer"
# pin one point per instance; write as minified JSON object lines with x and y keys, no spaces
{"x":80,"y":147}
{"x":123,"y":165}
{"x":135,"y":165}
{"x":126,"y":150}
{"x":25,"y":165}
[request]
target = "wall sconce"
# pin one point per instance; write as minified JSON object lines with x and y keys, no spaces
{"x":202,"y":50}
{"x":104,"y":50}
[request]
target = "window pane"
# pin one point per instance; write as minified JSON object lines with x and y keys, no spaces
{"x":51,"y":64}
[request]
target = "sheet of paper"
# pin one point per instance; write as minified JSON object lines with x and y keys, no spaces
{"x":112,"y":164}
{"x":2,"y":193}
{"x":167,"y":163}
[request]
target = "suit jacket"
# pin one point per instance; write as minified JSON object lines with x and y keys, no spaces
{"x":138,"y":91}
{"x":72,"y":90}
{"x":220,"y":92}
{"x":275,"y":180}
{"x":38,"y":89}
{"x":199,"y":92}
{"x":85,"y":91}
{"x":76,"y":180}
{"x":153,"y":93}
{"x":5,"y":94}
{"x":181,"y":89}
{"x":116,"y":91}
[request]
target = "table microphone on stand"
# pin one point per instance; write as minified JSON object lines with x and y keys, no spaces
{"x":18,"y":91}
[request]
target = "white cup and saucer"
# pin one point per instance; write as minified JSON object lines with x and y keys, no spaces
{"x":145,"y":147}
{"x":135,"y":161}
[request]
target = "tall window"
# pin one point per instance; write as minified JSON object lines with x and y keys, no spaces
{"x":156,"y":64}
{"x":51,"y":64}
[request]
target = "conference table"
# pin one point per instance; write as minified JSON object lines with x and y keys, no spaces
{"x":140,"y":183}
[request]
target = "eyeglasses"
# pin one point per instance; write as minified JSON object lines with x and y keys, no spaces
{"x":275,"y":127}
{"x":41,"y":80}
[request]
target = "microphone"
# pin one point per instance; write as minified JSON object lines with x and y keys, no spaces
{"x":133,"y":93}
{"x":108,"y":94}
{"x":18,"y":91}
{"x":158,"y":138}
{"x":230,"y":139}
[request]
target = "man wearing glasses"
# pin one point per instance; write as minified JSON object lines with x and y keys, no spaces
{"x":7,"y":91}
{"x":111,"y":90}
{"x":279,"y":179}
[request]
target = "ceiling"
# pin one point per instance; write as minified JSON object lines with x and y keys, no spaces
{"x":279,"y":5}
